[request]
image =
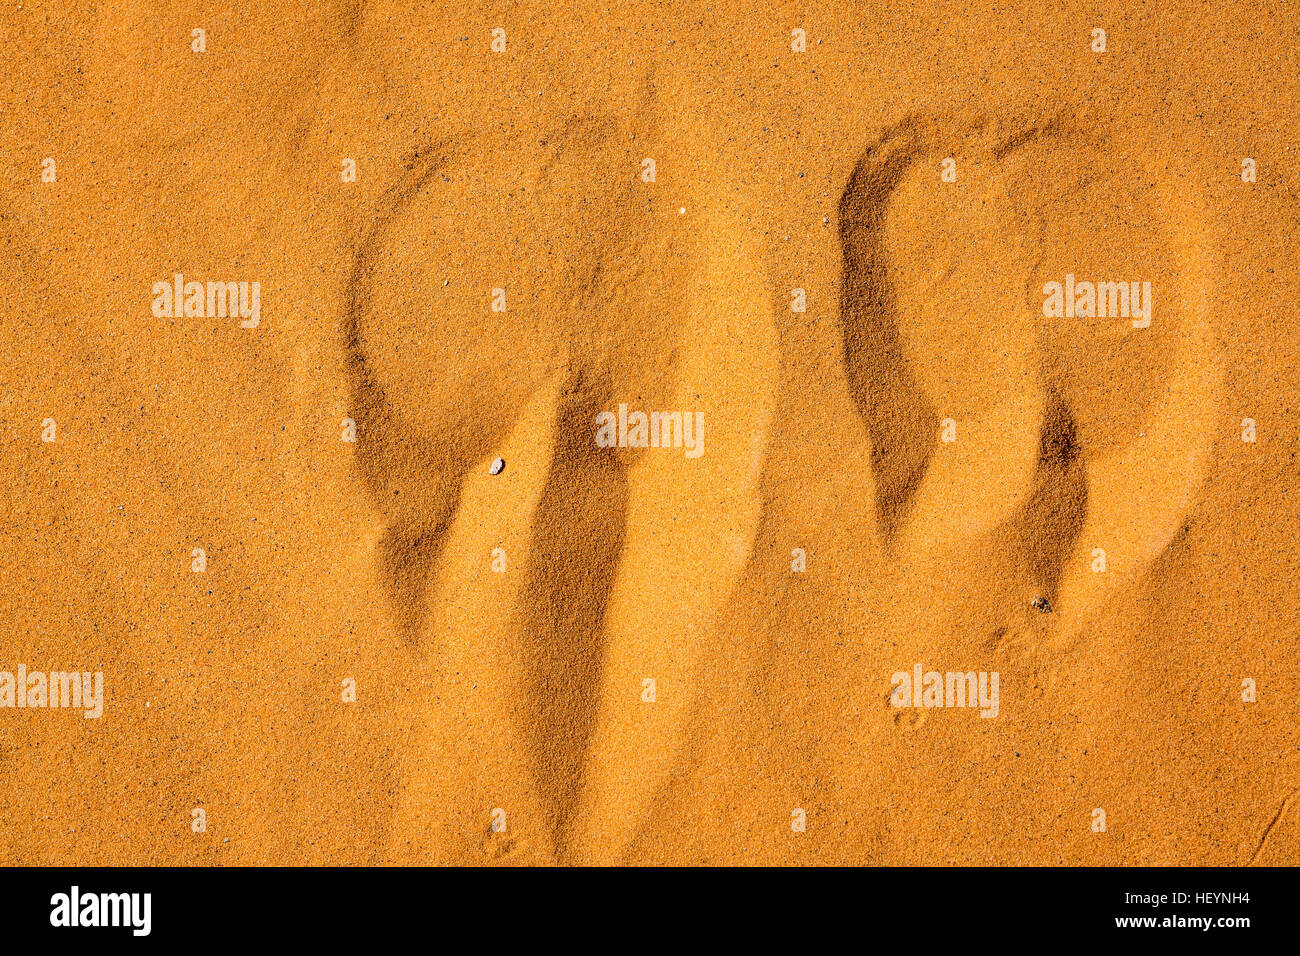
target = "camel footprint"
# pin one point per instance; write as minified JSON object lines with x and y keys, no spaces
{"x":618,"y":559}
{"x":1025,"y":329}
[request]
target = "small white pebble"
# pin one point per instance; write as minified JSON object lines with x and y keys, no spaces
{"x":498,"y":466}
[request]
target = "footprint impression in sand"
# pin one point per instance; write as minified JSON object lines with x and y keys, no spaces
{"x":1027,"y":341}
{"x":510,"y":299}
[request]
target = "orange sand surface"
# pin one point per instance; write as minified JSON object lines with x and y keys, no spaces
{"x":364,"y":584}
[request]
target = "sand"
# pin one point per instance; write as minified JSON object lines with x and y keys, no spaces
{"x":363,"y":582}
